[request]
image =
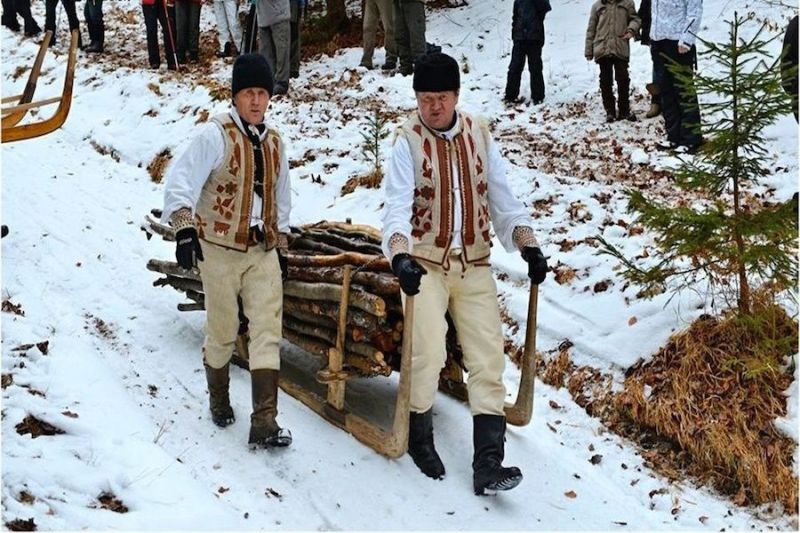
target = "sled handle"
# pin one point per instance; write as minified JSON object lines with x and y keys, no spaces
{"x":520,"y":412}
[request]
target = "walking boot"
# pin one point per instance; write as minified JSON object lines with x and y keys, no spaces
{"x":420,"y":445}
{"x":218,"y":399}
{"x":264,"y":429}
{"x":488,"y":438}
{"x":654,"y":111}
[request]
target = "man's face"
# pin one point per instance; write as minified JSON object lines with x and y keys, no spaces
{"x":437,"y":109}
{"x":251,"y":104}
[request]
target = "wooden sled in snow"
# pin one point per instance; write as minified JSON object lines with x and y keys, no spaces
{"x":13,"y":114}
{"x":329,"y":250}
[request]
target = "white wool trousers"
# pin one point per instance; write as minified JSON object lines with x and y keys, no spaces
{"x":227,"y":13}
{"x":255,"y":276}
{"x":470,"y":294}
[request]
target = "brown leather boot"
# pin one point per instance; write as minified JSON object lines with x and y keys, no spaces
{"x":264,"y":429}
{"x":218,"y":399}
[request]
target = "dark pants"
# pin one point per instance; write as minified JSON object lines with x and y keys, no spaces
{"x":409,"y":30}
{"x":612,"y":68}
{"x":294,"y":44}
{"x":532,"y":51}
{"x":50,"y":16}
{"x":153,"y":15}
{"x":679,"y":103}
{"x":12,"y":8}
{"x":187,"y":20}
{"x":93,"y":13}
{"x":250,"y":33}
{"x":658,"y":74}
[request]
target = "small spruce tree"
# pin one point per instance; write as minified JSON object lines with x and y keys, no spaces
{"x":724,"y":234}
{"x":375,"y":132}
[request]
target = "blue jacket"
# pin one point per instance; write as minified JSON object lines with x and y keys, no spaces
{"x":528,"y":21}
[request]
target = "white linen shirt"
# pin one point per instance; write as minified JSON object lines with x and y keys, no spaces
{"x":189,"y":172}
{"x":675,"y":20}
{"x":505,"y":210}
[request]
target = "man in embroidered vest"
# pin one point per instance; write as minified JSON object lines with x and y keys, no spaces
{"x":230,"y":189}
{"x":446,"y":182}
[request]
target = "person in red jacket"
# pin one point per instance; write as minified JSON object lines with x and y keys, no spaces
{"x":163,"y":12}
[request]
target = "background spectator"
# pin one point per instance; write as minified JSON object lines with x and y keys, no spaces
{"x":654,"y":88}
{"x":12,"y":8}
{"x":612,"y":23}
{"x":50,"y":19}
{"x":274,"y":36}
{"x":155,"y":12}
{"x":230,"y":33}
{"x":409,"y":32}
{"x":187,"y":23}
{"x":527,"y":32}
{"x":93,"y":14}
{"x":297,"y":11}
{"x":373,"y":10}
{"x":790,"y":62}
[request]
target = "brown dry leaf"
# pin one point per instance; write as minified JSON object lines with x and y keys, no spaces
{"x":596,"y":459}
{"x":571,"y":494}
{"x":632,"y":320}
{"x":554,"y":405}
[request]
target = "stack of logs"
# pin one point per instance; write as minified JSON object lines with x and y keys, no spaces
{"x":318,"y":256}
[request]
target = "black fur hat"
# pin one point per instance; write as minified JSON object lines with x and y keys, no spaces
{"x":435,"y":73}
{"x":251,"y":70}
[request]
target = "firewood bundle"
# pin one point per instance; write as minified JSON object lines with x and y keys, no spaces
{"x":321,"y":257}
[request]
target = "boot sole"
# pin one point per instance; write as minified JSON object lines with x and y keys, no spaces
{"x":504,"y":484}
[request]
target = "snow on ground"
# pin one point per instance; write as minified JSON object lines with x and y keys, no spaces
{"x":122,"y":376}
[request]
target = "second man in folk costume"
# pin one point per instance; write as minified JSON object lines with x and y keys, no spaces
{"x":446,"y":188}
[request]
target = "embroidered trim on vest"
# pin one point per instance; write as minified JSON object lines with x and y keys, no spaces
{"x":445,"y":193}
{"x":467,"y":229}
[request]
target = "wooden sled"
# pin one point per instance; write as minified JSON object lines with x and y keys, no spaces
{"x":13,"y":115}
{"x":323,"y":389}
{"x":391,"y":443}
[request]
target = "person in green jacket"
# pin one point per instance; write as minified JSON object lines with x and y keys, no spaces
{"x":612,"y":23}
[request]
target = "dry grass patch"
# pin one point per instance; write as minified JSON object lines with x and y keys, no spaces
{"x":370,"y":180}
{"x":716,"y":390}
{"x":159,"y":164}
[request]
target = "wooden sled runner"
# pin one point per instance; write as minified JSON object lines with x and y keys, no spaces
{"x":350,"y":342}
{"x":22,"y":103}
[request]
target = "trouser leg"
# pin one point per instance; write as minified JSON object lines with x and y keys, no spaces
{"x":670,"y":102}
{"x":387,"y":19}
{"x":194,"y":29}
{"x":428,"y":339}
{"x":623,"y":87}
{"x":262,"y":301}
{"x":401,"y":35}
{"x":221,"y":272}
{"x":606,"y":84}
{"x":181,"y":30}
{"x":294,"y":44}
{"x":368,"y":36}
{"x":473,"y":306}
{"x":515,"y":68}
{"x":534,"y":53}
{"x":151,"y":28}
{"x":415,"y":20}
{"x":281,"y":37}
{"x":223,"y":32}
{"x":72,"y":14}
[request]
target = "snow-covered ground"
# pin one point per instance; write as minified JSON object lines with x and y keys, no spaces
{"x":122,"y":373}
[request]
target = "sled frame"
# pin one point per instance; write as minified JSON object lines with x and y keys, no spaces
{"x":11,"y":131}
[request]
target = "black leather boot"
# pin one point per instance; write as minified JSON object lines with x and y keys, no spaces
{"x":264,"y":429}
{"x":488,"y":437}
{"x":420,"y":445}
{"x":218,"y":399}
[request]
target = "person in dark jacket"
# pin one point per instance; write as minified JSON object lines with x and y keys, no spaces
{"x":527,"y":32}
{"x":93,"y":14}
{"x":50,"y":19}
{"x":789,"y":63}
{"x":12,"y":8}
{"x":654,"y":88}
{"x":297,"y":11}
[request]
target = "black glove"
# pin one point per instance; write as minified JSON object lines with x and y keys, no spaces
{"x":409,"y":272}
{"x":188,"y":248}
{"x":537,"y":264}
{"x":284,"y":266}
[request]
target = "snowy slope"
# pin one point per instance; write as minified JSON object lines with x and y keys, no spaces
{"x":127,"y":363}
